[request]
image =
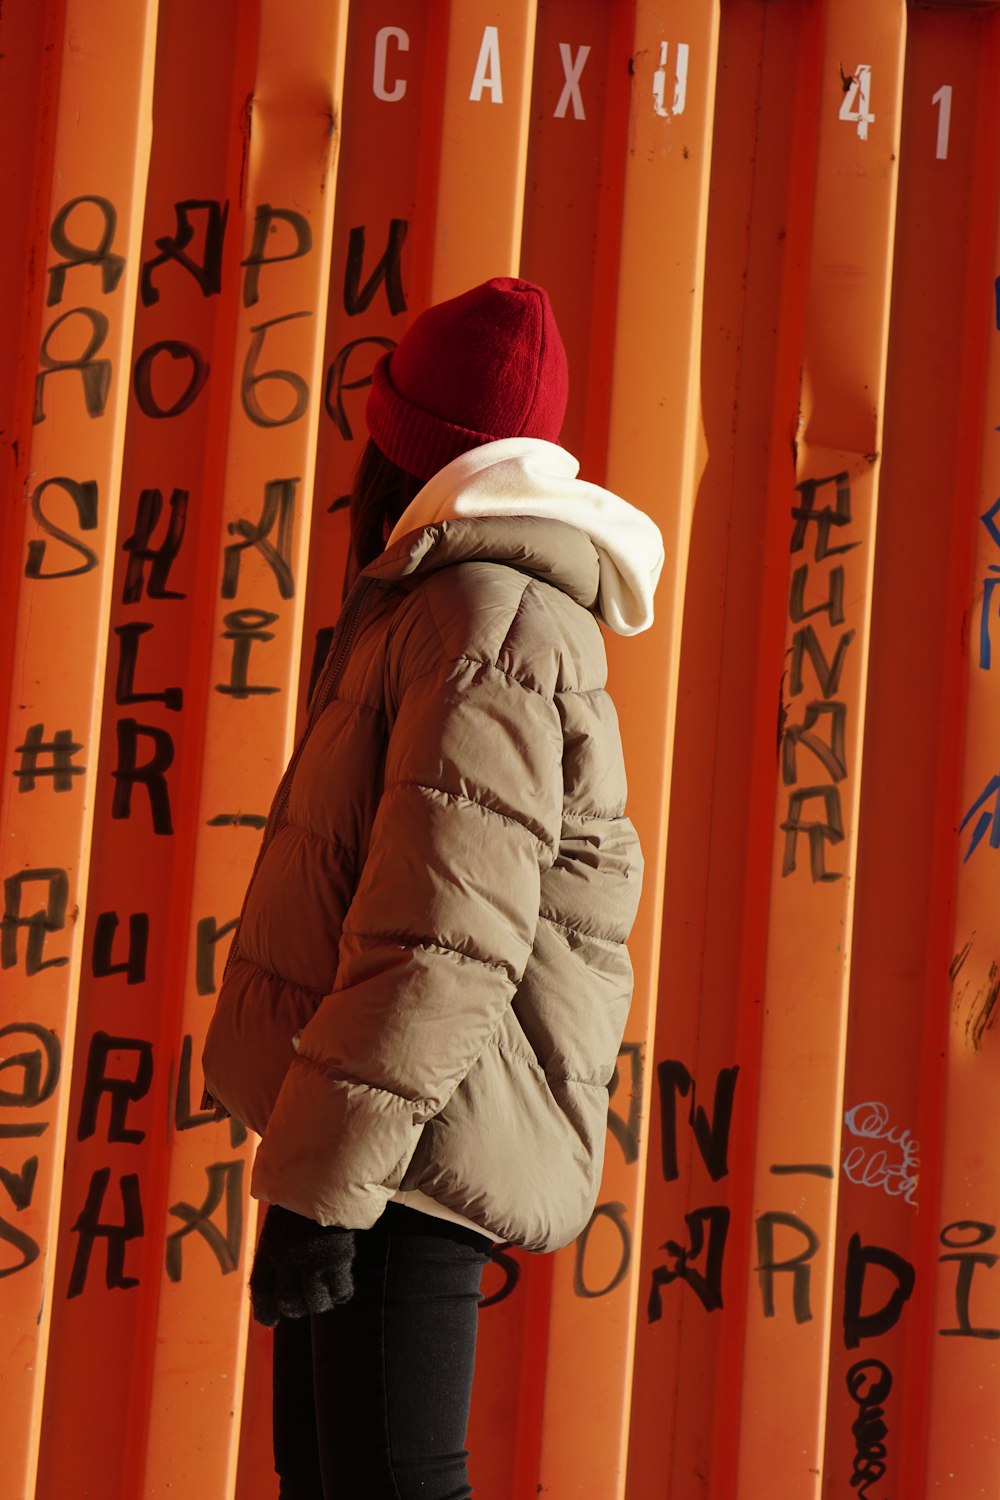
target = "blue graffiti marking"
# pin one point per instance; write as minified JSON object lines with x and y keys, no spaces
{"x":984,"y":822}
{"x":989,"y":585}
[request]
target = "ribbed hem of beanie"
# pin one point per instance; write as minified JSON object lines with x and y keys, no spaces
{"x":414,"y":439}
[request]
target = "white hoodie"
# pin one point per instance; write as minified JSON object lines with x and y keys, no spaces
{"x":529,"y":477}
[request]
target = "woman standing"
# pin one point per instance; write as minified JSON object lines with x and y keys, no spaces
{"x":424,"y":1002}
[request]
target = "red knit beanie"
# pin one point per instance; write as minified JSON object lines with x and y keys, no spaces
{"x":486,"y":365}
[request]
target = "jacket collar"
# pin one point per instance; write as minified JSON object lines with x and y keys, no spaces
{"x":512,"y":492}
{"x":555,"y":551}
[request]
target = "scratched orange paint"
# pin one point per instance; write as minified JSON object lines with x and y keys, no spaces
{"x":770,"y":236}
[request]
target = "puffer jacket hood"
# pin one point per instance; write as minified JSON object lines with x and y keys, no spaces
{"x":529,"y":477}
{"x":429,"y":983}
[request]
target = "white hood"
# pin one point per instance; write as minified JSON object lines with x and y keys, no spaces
{"x":529,"y":477}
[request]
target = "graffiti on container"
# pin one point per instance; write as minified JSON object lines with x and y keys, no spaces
{"x":117,"y":1077}
{"x":511,"y":1270}
{"x":711,"y":1135}
{"x":961,"y":1240}
{"x":36,"y":925}
{"x":989,"y":818}
{"x":814,"y":809}
{"x":869,"y":1382}
{"x":83,"y":495}
{"x":699,"y":1262}
{"x":616,"y":1215}
{"x":706,"y":1282}
{"x":176,"y":365}
{"x":989,"y":520}
{"x":878,"y":1281}
{"x":36,"y":1051}
{"x":873,"y":1164}
{"x":625,"y":1128}
{"x":168,"y":378}
{"x":59,"y":751}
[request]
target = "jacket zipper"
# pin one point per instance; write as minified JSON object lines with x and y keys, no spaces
{"x":348,"y":629}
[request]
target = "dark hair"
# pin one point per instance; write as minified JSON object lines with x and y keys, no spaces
{"x":380,"y":493}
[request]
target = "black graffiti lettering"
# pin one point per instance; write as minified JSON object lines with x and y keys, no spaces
{"x":20,"y":1185}
{"x":83,"y":494}
{"x":626,"y":1130}
{"x":388,"y":271}
{"x":857,"y":1324}
{"x":236,"y":820}
{"x":50,"y":918}
{"x":128,"y":656}
{"x":133,"y":966}
{"x":20,"y":1189}
{"x":796,"y":1266}
{"x":869,"y":1429}
{"x":60,"y":750}
{"x":28,"y":1248}
{"x":512,"y":1275}
{"x":706,"y":1285}
{"x":862,"y":1388}
{"x":266,"y":221}
{"x":207,"y":936}
{"x":336,"y":384}
{"x":967,"y":1259}
{"x":828,"y":831}
{"x":711,"y":1136}
{"x":805,"y":514}
{"x":186,"y":1118}
{"x":151,"y":775}
{"x":243,"y":627}
{"x":95,"y":374}
{"x":225,"y":1181}
{"x":251,"y":379}
{"x":121,"y":1090}
{"x":90,"y":1228}
{"x":805,"y":642}
{"x":615,"y":1213}
{"x":76,"y":254}
{"x":39,"y":1075}
{"x":206,"y":268}
{"x":142,"y":378}
{"x":161,"y":558}
{"x":279,"y":505}
{"x":832,"y":754}
{"x":832,"y":605}
{"x":802,"y":1168}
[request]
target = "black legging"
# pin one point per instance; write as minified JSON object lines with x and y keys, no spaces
{"x":371,"y":1400}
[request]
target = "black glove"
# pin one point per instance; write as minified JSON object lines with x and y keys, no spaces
{"x":300,"y":1267}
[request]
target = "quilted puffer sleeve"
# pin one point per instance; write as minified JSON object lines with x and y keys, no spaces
{"x":434,"y":943}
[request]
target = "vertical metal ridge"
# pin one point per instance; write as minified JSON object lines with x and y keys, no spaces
{"x":788,"y":1282}
{"x":80,"y":389}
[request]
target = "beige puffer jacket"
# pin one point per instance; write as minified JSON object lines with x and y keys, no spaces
{"x":429,"y":983}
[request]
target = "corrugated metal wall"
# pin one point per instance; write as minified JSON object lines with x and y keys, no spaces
{"x":769,"y":229}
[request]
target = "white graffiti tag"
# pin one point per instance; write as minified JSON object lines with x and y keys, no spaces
{"x":873,"y":1164}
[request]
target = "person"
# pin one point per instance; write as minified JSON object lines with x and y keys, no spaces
{"x":425,"y":997}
